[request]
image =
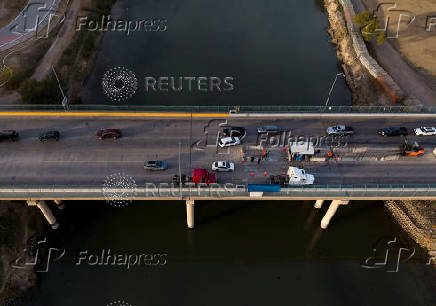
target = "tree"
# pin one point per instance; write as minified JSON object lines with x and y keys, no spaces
{"x":370,"y":27}
{"x":44,"y":92}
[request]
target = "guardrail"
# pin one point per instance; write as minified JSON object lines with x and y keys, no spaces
{"x":226,"y":192}
{"x":419,"y":109}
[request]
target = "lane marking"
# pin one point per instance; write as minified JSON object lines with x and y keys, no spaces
{"x":110,"y":114}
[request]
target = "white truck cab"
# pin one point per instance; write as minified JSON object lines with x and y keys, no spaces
{"x":299,"y":177}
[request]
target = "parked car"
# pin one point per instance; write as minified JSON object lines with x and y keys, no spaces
{"x":108,"y":133}
{"x":223,"y":166}
{"x":228,"y":142}
{"x":393,"y":131}
{"x":425,"y":131}
{"x":234,"y":131}
{"x":155,"y":165}
{"x":270,"y":129}
{"x":339,"y":130}
{"x":8,"y":135}
{"x":47,"y":135}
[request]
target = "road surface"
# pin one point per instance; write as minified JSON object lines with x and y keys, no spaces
{"x":78,"y":158}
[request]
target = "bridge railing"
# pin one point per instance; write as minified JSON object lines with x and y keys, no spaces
{"x":217,"y":191}
{"x":225,"y":109}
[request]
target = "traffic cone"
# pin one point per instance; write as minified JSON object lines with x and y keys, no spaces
{"x":264,"y":174}
{"x":252,"y":174}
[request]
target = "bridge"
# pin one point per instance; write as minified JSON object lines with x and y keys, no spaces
{"x":365,"y":166}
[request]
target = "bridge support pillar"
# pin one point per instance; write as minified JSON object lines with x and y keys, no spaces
{"x":60,"y":204}
{"x":190,"y":213}
{"x":318,"y":203}
{"x":331,"y":212}
{"x":46,"y":211}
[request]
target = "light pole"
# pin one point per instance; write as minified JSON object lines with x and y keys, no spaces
{"x":333,"y":85}
{"x":180,"y":172}
{"x":190,"y":144}
{"x":64,"y":98}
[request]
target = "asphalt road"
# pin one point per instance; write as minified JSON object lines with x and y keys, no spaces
{"x":79,"y":158}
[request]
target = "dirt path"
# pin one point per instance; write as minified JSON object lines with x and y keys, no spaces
{"x":408,"y":78}
{"x":62,"y":40}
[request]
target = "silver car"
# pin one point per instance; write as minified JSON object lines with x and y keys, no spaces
{"x":155,"y":165}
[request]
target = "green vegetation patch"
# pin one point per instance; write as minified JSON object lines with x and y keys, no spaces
{"x":44,"y":92}
{"x":369,"y":27}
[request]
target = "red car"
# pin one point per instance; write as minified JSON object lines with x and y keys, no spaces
{"x":108,"y":133}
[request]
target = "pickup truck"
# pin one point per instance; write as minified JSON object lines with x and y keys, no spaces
{"x":340,"y":130}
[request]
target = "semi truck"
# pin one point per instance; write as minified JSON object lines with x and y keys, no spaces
{"x":294,"y":176}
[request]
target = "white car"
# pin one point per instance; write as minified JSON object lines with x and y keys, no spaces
{"x":228,"y":142}
{"x":223,"y":166}
{"x":425,"y":131}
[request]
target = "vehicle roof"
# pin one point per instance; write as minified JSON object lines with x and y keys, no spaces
{"x":295,"y":171}
{"x":228,"y":139}
{"x":199,"y":172}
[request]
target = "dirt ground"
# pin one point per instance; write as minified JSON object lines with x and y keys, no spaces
{"x":9,"y":9}
{"x":414,"y":42}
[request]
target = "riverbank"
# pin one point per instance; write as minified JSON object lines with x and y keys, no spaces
{"x":28,"y":66}
{"x":369,"y":82}
{"x":416,"y":218}
{"x":20,"y":228}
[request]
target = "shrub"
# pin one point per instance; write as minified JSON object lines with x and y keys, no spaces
{"x":369,"y":26}
{"x":44,"y":92}
{"x":12,"y":77}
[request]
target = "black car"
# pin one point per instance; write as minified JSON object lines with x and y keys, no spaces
{"x":393,"y":131}
{"x":8,"y":135}
{"x":49,"y":135}
{"x":234,"y":131}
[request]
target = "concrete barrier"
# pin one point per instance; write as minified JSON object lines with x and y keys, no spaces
{"x":390,"y":87}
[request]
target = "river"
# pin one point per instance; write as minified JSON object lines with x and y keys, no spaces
{"x":240,"y":253}
{"x":277,"y":53}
